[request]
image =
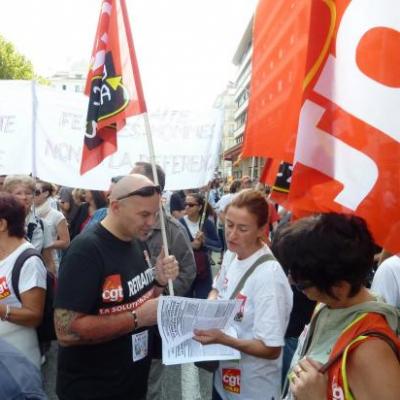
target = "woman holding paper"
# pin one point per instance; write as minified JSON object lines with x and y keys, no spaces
{"x":266,"y":304}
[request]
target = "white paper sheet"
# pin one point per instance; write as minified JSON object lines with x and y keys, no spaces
{"x":177,"y":318}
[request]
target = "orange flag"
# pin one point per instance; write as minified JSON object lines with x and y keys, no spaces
{"x":113,"y":84}
{"x":324,"y":96}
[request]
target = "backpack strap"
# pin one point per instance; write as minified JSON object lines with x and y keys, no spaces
{"x":264,"y":258}
{"x":16,"y":271}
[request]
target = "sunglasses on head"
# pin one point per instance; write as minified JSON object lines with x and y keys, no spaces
{"x":145,"y":191}
{"x":116,"y":179}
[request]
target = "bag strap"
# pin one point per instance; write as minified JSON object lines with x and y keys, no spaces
{"x":383,"y":336}
{"x":264,"y":258}
{"x":16,"y":271}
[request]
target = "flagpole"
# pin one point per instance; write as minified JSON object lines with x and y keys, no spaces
{"x":155,"y":177}
{"x":139,"y":89}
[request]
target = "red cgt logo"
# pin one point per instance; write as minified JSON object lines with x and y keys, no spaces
{"x":4,"y":290}
{"x":231,"y":380}
{"x":112,"y":289}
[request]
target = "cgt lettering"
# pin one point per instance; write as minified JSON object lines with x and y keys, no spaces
{"x":113,"y":295}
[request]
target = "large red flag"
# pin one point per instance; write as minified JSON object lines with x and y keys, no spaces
{"x":113,"y":84}
{"x":324,"y":95}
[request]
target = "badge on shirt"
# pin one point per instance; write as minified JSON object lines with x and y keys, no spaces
{"x":140,"y":345}
{"x":240,"y":314}
{"x":231,"y":380}
{"x":4,"y":289}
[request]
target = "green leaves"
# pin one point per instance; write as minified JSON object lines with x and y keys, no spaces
{"x":12,"y":64}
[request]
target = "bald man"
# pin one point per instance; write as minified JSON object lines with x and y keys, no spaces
{"x":106,"y":302}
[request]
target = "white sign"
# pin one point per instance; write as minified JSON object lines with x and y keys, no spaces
{"x":186,"y":143}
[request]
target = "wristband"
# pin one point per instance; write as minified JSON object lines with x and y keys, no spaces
{"x":135,"y":321}
{"x":7,"y":314}
{"x":158,"y":284}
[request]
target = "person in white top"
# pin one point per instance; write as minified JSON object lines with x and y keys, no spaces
{"x":54,"y":219}
{"x":37,"y":231}
{"x":19,"y":318}
{"x":386,"y":281}
{"x":266,"y":305}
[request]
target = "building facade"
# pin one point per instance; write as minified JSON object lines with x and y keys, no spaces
{"x":242,"y":60}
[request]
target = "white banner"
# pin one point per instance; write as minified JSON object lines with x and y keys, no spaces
{"x":15,"y":127}
{"x":186,"y":143}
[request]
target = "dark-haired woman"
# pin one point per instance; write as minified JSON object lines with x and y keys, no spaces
{"x":94,"y":200}
{"x":329,"y":257}
{"x":203,"y":239}
{"x":19,"y":318}
{"x":266,"y":304}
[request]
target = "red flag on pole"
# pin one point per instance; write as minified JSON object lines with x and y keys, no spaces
{"x":324,"y":96}
{"x":113,"y":84}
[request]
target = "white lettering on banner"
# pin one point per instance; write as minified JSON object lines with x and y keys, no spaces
{"x":2,"y":157}
{"x":356,"y":93}
{"x":7,"y":124}
{"x":319,"y":150}
{"x":72,"y":121}
{"x":63,"y":152}
{"x":140,"y":281}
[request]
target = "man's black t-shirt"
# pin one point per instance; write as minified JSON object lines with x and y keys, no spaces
{"x":102,"y":275}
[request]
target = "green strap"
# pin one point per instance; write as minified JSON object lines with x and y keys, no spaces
{"x":264,"y":258}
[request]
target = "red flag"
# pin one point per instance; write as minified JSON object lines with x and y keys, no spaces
{"x":324,"y":95}
{"x":113,"y":84}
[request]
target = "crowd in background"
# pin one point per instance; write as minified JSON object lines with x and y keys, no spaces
{"x":328,"y":259}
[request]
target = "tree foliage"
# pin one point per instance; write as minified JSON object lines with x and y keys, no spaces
{"x":13,"y":65}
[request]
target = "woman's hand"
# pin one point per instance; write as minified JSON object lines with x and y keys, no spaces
{"x":306,"y":382}
{"x":196,"y":244}
{"x":210,"y":336}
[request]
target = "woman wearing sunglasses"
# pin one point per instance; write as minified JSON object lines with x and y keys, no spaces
{"x":204,"y":238}
{"x":266,"y":303}
{"x":350,"y":350}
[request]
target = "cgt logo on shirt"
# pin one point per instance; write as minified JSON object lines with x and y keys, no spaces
{"x":231,"y":380}
{"x":112,"y":289}
{"x":4,"y":290}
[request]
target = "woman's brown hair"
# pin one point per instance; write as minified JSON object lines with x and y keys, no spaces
{"x":254,"y":202}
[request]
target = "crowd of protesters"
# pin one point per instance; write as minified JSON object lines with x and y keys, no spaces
{"x":309,"y":325}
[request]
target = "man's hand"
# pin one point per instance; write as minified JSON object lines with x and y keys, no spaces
{"x":166,"y":268}
{"x":306,"y":382}
{"x":147,"y":313}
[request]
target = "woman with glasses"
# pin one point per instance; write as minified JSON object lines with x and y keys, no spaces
{"x":266,"y":300}
{"x":19,"y":317}
{"x":94,"y":200}
{"x":36,"y":230}
{"x":55,"y":220}
{"x":204,"y":238}
{"x":350,"y":348}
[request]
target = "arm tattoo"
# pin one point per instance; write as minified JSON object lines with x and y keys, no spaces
{"x":63,"y":320}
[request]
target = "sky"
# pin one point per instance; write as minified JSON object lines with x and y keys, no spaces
{"x":184,"y":47}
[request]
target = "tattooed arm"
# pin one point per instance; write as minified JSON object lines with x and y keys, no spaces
{"x":73,"y":328}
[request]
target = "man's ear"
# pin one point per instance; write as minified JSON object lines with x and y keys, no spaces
{"x":3,"y":225}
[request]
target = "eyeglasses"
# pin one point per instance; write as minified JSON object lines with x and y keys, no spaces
{"x":37,"y":192}
{"x":145,"y":191}
{"x":190,"y":204}
{"x":302,"y":285}
{"x":116,"y":179}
